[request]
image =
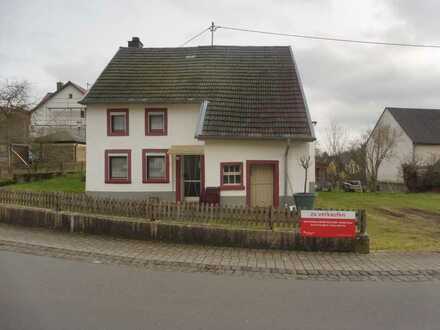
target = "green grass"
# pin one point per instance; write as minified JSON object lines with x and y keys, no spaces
{"x":65,"y":183}
{"x":396,"y":221}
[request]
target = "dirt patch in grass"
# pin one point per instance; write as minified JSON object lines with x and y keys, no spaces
{"x":424,"y":214}
{"x":390,"y":213}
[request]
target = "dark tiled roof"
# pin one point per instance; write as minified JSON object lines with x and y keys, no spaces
{"x":421,"y":125}
{"x":251,"y":91}
{"x":49,"y":95}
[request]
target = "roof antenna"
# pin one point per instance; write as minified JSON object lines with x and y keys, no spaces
{"x":212,"y":28}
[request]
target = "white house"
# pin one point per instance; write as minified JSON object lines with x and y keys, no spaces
{"x":60,"y":109}
{"x":172,"y":122}
{"x":418,"y":139}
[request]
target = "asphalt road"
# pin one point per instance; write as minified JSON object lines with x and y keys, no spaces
{"x":48,"y":293}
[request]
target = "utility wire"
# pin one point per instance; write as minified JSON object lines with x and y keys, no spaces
{"x":330,"y":38}
{"x":195,"y":37}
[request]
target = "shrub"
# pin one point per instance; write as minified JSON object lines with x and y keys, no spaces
{"x":419,"y":178}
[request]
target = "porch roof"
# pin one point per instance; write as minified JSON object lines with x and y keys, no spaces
{"x":186,"y":150}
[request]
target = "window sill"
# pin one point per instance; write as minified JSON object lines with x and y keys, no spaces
{"x":164,"y":180}
{"x":122,"y":181}
{"x":124,"y":133}
{"x":156,"y":133}
{"x":231,"y":187}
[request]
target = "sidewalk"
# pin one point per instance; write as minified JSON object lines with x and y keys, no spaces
{"x":283,"y":264}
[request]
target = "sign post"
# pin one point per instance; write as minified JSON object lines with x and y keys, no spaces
{"x":328,"y":224}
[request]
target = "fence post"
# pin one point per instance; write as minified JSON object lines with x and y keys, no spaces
{"x":269,"y":218}
{"x":363,"y":219}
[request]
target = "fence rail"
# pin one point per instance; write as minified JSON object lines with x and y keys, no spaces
{"x":240,"y":216}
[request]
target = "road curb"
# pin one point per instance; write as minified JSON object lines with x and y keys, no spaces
{"x":352,"y":275}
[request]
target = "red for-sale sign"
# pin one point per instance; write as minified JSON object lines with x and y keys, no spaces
{"x":321,"y":223}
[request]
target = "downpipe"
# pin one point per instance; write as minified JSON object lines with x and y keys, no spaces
{"x":286,"y":167}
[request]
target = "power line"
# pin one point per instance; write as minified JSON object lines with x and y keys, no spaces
{"x":195,"y":37}
{"x":399,"y":44}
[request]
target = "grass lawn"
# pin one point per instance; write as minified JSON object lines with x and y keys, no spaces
{"x":65,"y":183}
{"x":395,"y":221}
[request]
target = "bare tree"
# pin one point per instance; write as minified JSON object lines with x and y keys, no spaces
{"x":337,"y":138}
{"x":14,"y":101}
{"x":305,"y":162}
{"x":336,"y":144}
{"x":355,"y":166}
{"x":14,"y":96}
{"x":380,"y":146}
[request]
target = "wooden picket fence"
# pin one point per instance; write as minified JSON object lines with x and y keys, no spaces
{"x":239,"y":216}
{"x":152,"y":210}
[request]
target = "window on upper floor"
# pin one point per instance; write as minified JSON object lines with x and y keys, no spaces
{"x":118,"y":166}
{"x":231,"y":176}
{"x":83,"y":114}
{"x":117,"y":122}
{"x":70,"y":96}
{"x":156,"y":121}
{"x":155,"y":166}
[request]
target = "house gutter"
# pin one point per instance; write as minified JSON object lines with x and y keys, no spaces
{"x":286,"y":167}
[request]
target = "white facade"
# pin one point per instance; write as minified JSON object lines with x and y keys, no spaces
{"x":61,"y":110}
{"x":427,"y":153}
{"x":217,"y":151}
{"x":182,"y":121}
{"x":390,"y":171}
{"x":181,"y":128}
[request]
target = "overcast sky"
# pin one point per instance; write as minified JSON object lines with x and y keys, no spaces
{"x":48,"y":41}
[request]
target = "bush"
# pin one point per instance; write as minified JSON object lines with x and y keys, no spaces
{"x":419,"y":178}
{"x":410,"y":176}
{"x":6,"y":182}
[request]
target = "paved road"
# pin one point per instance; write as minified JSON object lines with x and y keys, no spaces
{"x":39,"y":292}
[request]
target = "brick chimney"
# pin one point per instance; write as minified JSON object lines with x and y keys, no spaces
{"x":135,"y":42}
{"x":59,"y":85}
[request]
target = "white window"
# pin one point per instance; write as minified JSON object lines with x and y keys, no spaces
{"x":155,"y":166}
{"x":117,"y":122}
{"x":231,"y":175}
{"x":156,"y":121}
{"x":118,"y":167}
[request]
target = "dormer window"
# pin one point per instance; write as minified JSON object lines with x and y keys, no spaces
{"x":156,"y":121}
{"x":117,"y":122}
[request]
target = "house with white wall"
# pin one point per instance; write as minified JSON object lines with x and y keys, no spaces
{"x":173,"y":122}
{"x":418,"y":139}
{"x":60,"y":110}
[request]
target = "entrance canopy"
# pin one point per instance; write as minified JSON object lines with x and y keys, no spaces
{"x":186,"y":150}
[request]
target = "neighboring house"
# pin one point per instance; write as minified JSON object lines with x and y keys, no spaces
{"x":60,"y":147}
{"x":418,"y":139}
{"x":14,"y":140}
{"x":60,"y":109}
{"x":170,"y":122}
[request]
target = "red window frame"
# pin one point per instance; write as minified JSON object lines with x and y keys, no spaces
{"x":166,"y":178}
{"x":156,"y":132}
{"x":228,"y":186}
{"x":108,"y":154}
{"x":110,"y":131}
